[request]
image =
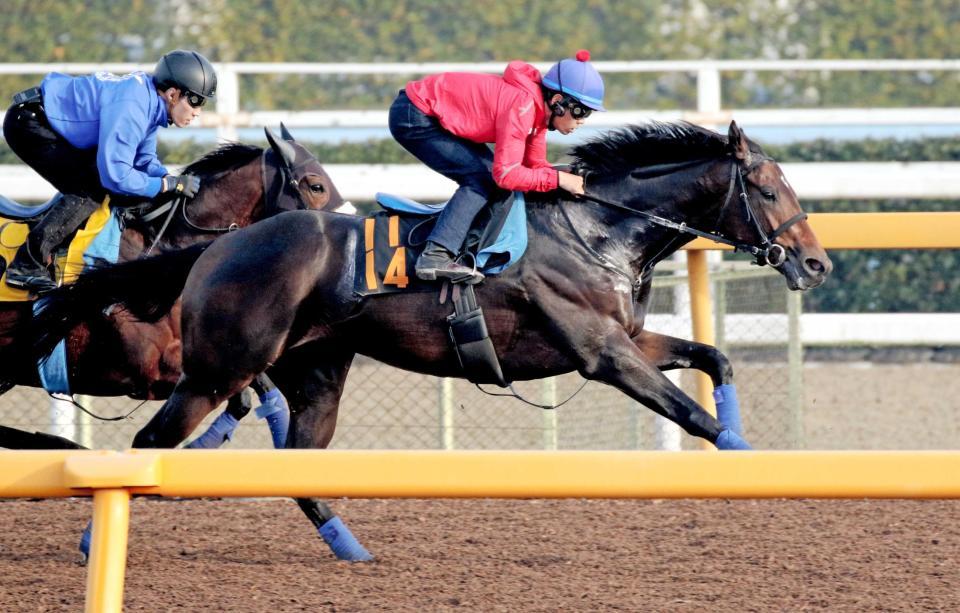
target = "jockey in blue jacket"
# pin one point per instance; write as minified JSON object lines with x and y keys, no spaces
{"x":95,"y":135}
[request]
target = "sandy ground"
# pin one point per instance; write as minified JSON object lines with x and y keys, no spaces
{"x":499,"y":555}
{"x":539,"y":555}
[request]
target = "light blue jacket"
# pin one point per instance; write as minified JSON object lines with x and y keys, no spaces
{"x":117,"y":115}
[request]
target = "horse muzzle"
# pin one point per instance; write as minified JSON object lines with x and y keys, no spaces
{"x":802,"y":270}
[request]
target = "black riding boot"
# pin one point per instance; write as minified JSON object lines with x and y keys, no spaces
{"x":437,"y":263}
{"x":28,"y":270}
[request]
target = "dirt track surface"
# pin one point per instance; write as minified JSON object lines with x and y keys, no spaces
{"x":501,"y":555}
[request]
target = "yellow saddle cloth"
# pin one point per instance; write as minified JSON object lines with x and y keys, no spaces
{"x":13,"y":233}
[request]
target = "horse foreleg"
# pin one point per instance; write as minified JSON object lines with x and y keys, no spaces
{"x":223,"y":427}
{"x":669,"y":353}
{"x":181,"y":414}
{"x":314,"y":392}
{"x":622,"y":364}
{"x":273,"y":407}
{"x":173,"y":423}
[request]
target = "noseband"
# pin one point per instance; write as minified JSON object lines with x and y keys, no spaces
{"x":765,"y":252}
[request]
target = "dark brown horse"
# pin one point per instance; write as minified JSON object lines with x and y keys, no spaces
{"x":114,"y":355}
{"x":576,"y":301}
{"x":111,"y":353}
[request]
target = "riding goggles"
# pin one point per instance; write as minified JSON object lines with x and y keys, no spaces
{"x":194,"y":99}
{"x":578,"y":111}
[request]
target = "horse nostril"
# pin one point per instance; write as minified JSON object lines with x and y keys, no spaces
{"x":815,"y":265}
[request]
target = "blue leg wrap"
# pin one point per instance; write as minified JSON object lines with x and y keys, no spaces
{"x":273,"y":407}
{"x":730,"y":440}
{"x":219,"y":432}
{"x":728,"y":406}
{"x":342,"y":542}
{"x":85,"y":540}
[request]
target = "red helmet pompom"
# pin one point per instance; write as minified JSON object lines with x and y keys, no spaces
{"x":583,"y":55}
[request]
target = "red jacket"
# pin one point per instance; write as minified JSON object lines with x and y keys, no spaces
{"x":508,"y":111}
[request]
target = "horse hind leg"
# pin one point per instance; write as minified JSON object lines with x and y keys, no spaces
{"x":273,"y":408}
{"x":314,"y":393}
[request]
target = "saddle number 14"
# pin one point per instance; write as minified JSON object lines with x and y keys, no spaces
{"x":396,"y":273}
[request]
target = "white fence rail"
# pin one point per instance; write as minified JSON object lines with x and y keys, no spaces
{"x":845,"y":329}
{"x":813,"y":181}
{"x":709,"y":110}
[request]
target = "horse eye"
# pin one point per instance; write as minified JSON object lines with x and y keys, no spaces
{"x":768,"y":193}
{"x":317,"y":188}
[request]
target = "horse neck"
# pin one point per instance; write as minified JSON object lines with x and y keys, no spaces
{"x":692,"y":194}
{"x":233,"y":197}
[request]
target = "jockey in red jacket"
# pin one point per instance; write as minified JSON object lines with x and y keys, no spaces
{"x":446,"y":119}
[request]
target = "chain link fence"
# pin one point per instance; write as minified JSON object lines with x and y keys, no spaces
{"x":836,"y":398}
{"x":384,"y":407}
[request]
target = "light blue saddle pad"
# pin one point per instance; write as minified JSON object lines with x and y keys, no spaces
{"x":512,"y":240}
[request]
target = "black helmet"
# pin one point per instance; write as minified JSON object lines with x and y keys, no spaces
{"x":188,"y":71}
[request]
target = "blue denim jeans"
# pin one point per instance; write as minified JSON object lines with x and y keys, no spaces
{"x":468,"y":163}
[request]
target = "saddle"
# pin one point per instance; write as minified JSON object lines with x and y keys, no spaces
{"x":13,"y":210}
{"x":393,"y":239}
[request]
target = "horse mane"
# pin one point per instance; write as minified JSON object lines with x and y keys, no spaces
{"x":225,"y":157}
{"x":650,"y":144}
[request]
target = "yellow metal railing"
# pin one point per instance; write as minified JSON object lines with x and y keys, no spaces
{"x":111,"y":478}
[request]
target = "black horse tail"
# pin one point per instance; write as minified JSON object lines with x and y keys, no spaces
{"x":146,"y":288}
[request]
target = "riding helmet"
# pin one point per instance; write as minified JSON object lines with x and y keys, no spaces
{"x":186,"y":70}
{"x":577,"y":78}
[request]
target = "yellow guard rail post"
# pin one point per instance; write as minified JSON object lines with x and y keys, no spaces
{"x":109,"y":475}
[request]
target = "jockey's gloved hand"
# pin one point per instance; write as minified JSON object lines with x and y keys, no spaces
{"x":187,"y":185}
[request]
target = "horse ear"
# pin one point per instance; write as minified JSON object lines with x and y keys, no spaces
{"x":282,"y":148}
{"x":285,"y":134}
{"x":739,"y":146}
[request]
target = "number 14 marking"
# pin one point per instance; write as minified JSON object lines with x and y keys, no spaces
{"x":396,"y":273}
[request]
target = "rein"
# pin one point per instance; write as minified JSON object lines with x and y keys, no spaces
{"x":766,"y":252}
{"x":288,"y":180}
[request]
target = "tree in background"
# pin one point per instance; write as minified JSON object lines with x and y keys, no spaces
{"x":449,"y":30}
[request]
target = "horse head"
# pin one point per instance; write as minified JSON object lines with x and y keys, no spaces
{"x":682,"y":180}
{"x":302,"y":181}
{"x":760,"y":208}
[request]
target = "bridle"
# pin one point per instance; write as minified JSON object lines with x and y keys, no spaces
{"x":765,"y":251}
{"x":285,"y":182}
{"x":278,"y":177}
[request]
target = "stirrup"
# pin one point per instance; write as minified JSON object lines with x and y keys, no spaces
{"x":470,"y":276}
{"x":35,"y":283}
